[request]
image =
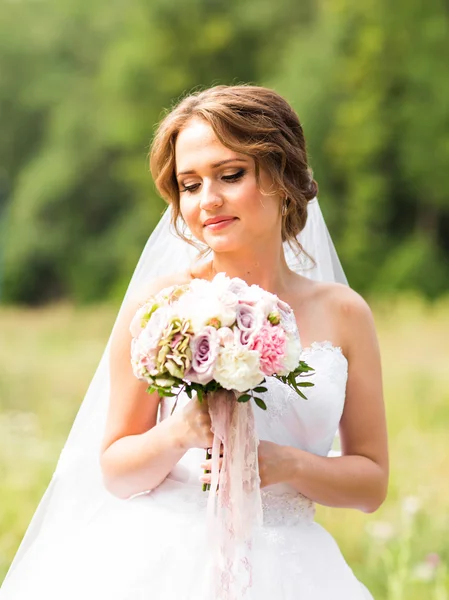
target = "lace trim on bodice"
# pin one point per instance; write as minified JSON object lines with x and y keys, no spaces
{"x":288,"y":508}
{"x":323,"y":346}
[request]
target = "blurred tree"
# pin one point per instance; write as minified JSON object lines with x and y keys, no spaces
{"x":86,"y":85}
{"x":83,"y":83}
{"x":371,"y":87}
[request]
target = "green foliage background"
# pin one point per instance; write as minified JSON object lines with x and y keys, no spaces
{"x":84,"y":83}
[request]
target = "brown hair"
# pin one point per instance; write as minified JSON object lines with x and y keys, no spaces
{"x":251,"y":120}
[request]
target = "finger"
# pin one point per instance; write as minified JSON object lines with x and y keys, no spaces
{"x":207,"y":478}
{"x":207,"y":464}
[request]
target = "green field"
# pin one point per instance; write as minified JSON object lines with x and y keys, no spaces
{"x":48,"y":356}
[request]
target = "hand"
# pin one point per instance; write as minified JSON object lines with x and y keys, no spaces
{"x":195,"y":424}
{"x":272,"y":463}
{"x":206,"y":478}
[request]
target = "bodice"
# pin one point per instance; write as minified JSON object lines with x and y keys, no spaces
{"x":289,"y":419}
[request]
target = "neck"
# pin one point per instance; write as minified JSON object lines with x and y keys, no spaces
{"x":269,"y":271}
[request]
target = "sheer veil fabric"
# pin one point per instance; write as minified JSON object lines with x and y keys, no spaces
{"x":76,"y":494}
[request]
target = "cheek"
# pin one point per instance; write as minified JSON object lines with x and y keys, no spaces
{"x":190,"y":212}
{"x":187,"y":209}
{"x":255,"y":201}
{"x":262,"y":207}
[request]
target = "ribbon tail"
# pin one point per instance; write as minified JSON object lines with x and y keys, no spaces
{"x":235,"y":508}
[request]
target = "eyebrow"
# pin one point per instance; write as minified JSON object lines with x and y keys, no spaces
{"x":215,"y":165}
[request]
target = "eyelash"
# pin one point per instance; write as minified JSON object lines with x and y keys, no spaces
{"x":229,"y":178}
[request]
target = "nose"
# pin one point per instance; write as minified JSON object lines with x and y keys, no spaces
{"x":209,"y":197}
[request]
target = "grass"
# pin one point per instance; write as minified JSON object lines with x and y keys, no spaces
{"x":48,"y":356}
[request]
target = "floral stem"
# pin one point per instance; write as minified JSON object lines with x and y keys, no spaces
{"x":206,"y":486}
{"x":176,"y":401}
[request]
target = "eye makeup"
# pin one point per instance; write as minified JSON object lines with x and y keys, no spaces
{"x":229,"y":178}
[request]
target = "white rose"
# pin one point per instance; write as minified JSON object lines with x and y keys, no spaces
{"x":238,"y":287}
{"x":292,"y":355}
{"x":269,"y":303}
{"x":220,"y":283}
{"x":226,"y":336}
{"x":288,"y":319}
{"x":143,"y":362}
{"x":238,"y":368}
{"x":228,"y":302}
{"x":199,"y":287}
{"x":257,"y":296}
{"x":201,"y":308}
{"x":136,"y":323}
{"x":150,"y":336}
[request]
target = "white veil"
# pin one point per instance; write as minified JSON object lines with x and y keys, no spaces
{"x":76,"y":492}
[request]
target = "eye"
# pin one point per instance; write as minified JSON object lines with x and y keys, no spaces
{"x":190,"y":188}
{"x":230,"y":178}
{"x":235,"y":176}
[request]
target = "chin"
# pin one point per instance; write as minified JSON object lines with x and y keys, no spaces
{"x":223,"y":246}
{"x":223,"y":243}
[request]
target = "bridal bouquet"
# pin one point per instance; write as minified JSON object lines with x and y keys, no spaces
{"x":221,"y":334}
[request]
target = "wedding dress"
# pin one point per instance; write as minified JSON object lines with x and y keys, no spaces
{"x":85,"y":544}
{"x":153,"y":546}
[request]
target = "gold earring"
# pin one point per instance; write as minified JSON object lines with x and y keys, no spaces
{"x":284,"y":207}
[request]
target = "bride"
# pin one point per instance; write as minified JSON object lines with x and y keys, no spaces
{"x":124,"y":515}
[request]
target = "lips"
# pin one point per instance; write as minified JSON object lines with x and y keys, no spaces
{"x":215,"y":220}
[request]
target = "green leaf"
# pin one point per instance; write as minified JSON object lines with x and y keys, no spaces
{"x":306,"y":384}
{"x":260,"y":389}
{"x":260,"y":403}
{"x":298,"y":391}
{"x":165,"y":393}
{"x":244,"y":398}
{"x":200,"y":395}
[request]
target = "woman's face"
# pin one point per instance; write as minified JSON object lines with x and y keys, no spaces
{"x":218,"y":184}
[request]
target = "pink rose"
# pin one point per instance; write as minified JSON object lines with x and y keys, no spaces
{"x":204,"y":348}
{"x":249,"y":321}
{"x":270,"y":342}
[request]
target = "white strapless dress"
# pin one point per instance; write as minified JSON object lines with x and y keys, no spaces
{"x":153,"y":546}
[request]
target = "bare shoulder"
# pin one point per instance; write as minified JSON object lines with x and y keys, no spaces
{"x":335,"y":296}
{"x":349,"y":303}
{"x":342,"y":311}
{"x":356,"y":325}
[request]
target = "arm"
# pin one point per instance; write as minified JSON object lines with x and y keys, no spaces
{"x":136,"y":454}
{"x":359,"y":478}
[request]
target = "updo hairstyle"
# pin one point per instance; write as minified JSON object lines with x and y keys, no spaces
{"x":251,"y":120}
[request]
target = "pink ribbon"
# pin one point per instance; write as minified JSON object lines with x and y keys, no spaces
{"x":235,"y":508}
